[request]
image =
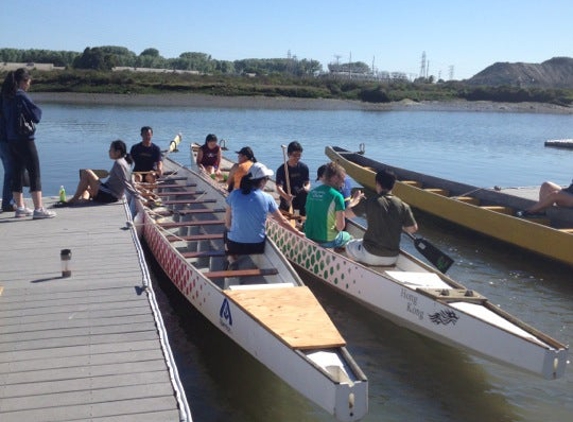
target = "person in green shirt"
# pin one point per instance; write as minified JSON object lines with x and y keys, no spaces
{"x":325,"y":215}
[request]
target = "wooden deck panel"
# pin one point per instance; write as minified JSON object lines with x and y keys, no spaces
{"x":86,"y":346}
{"x":295,"y":316}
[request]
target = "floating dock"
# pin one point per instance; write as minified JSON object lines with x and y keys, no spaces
{"x":560,"y":143}
{"x":87,"y":347}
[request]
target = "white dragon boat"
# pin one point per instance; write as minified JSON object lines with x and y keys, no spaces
{"x":259,"y":301}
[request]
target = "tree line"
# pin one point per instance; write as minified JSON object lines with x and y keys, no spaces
{"x":108,"y":57}
{"x":90,"y":71}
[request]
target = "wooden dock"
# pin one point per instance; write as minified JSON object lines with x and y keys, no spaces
{"x":88,"y":347}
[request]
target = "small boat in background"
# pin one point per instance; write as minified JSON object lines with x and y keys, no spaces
{"x":258,"y":301}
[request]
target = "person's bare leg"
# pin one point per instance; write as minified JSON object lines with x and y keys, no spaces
{"x":559,"y":198}
{"x":88,"y":184}
{"x":18,"y":199}
{"x":547,"y":188}
{"x":37,"y":199}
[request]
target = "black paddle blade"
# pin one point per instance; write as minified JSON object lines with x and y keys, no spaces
{"x":441,"y":261}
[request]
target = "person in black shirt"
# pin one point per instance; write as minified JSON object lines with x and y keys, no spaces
{"x":299,"y":181}
{"x":147,"y":157}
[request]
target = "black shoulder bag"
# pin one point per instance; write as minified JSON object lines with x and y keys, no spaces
{"x":25,"y":126}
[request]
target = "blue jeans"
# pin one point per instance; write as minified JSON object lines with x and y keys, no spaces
{"x":341,"y":239}
{"x":8,"y":163}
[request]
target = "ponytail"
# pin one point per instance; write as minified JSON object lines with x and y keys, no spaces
{"x":12,"y":81}
{"x":120,"y":146}
{"x":9,"y":86}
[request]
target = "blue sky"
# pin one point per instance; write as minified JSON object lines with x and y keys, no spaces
{"x":468,"y":35}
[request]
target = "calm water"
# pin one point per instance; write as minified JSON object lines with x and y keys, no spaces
{"x":411,"y":378}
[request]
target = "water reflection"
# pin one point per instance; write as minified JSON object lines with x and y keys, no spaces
{"x":410,"y":376}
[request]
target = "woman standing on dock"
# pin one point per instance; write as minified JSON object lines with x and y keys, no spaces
{"x":17,"y":105}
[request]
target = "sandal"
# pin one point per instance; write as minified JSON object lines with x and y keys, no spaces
{"x":525,"y":213}
{"x":61,"y":205}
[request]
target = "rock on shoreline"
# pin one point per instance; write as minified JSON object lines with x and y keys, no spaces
{"x":284,"y":103}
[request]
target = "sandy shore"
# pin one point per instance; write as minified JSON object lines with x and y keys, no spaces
{"x":283,"y":103}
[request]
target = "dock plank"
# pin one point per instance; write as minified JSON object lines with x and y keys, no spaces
{"x":88,"y":346}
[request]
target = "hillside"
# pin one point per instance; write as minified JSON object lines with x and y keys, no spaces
{"x":554,"y":73}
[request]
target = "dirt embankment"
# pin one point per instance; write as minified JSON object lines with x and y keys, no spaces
{"x":283,"y":103}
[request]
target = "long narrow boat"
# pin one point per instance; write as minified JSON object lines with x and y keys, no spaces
{"x":258,"y":301}
{"x":414,"y":295}
{"x":487,"y":211}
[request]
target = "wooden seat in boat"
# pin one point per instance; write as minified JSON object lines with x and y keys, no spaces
{"x":199,"y":211}
{"x":438,"y":191}
{"x":189,"y":201}
{"x":195,"y":237}
{"x":468,"y":199}
{"x":180,"y":192}
{"x":200,"y":254}
{"x":412,"y":183}
{"x":499,"y":208}
{"x":171,"y":224}
{"x":251,"y":272}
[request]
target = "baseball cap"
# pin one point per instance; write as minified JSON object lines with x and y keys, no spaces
{"x":258,"y":171}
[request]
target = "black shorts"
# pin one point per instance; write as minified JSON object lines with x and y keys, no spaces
{"x":236,"y":248}
{"x":104,"y":196}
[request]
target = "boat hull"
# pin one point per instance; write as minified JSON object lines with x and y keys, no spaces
{"x":550,"y":242}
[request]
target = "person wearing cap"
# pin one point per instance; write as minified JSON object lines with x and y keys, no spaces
{"x":247,"y":211}
{"x":246,"y":158}
{"x":209,"y":155}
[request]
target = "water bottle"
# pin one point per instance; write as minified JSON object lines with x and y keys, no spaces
{"x":62,"y":194}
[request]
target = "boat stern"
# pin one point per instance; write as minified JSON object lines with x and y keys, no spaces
{"x":555,"y":363}
{"x":348,"y":385}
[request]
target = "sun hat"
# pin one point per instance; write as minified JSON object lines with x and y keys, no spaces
{"x":258,"y":171}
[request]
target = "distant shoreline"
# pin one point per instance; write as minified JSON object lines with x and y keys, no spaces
{"x":285,"y":103}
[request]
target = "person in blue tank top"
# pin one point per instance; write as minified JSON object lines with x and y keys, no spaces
{"x":247,"y":211}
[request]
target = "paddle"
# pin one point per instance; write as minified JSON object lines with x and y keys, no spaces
{"x":287,"y":178}
{"x":440,"y":260}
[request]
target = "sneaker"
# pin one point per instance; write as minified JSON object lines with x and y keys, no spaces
{"x":43,"y":213}
{"x":23,"y":212}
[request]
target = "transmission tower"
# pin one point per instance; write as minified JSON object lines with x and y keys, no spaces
{"x":423,"y":69}
{"x":451,"y":72}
